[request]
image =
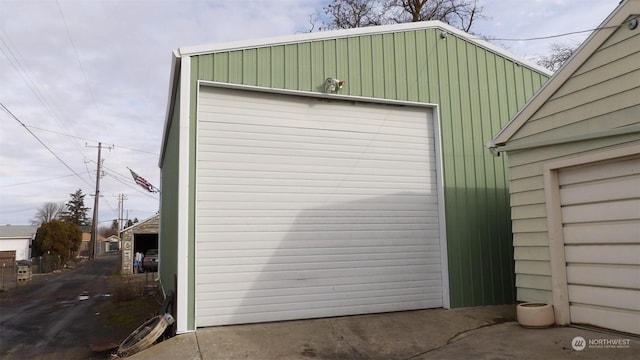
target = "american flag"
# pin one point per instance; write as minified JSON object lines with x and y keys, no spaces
{"x":143,"y":182}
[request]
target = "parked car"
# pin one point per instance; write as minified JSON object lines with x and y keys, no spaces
{"x":150,"y":260}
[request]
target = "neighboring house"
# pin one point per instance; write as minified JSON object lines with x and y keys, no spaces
{"x":85,"y":245}
{"x":574,"y":164}
{"x":138,"y":237}
{"x":108,"y":244}
{"x":286,"y":196}
{"x":86,"y":239}
{"x":18,"y":238}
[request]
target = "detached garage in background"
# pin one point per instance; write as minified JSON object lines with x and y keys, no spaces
{"x":574,"y":162}
{"x":139,"y":237}
{"x":337,"y":173}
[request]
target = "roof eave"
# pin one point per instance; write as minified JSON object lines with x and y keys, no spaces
{"x":354,"y":32}
{"x":174,"y":78}
{"x":584,"y":51}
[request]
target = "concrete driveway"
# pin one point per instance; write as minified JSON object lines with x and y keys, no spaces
{"x":472,"y":333}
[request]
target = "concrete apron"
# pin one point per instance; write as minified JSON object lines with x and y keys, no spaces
{"x":480,"y":333}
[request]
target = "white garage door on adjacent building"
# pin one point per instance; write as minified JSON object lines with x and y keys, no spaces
{"x":601,"y":230}
{"x":309,"y":207}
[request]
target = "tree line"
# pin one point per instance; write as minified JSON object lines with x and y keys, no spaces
{"x":60,"y":227}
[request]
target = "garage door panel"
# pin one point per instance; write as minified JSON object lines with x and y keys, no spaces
{"x":611,"y":233}
{"x":627,"y":321}
{"x":603,"y":254}
{"x":295,"y":186}
{"x":310,"y":208}
{"x":312,"y":266}
{"x":615,"y":189}
{"x":601,"y":229}
{"x":317,"y":160}
{"x":610,"y":170}
{"x":230,"y":176}
{"x":328,"y":258}
{"x":357,"y":206}
{"x":340,"y":142}
{"x":362,"y":154}
{"x":317,"y":219}
{"x":330,"y":310}
{"x":330,"y":148}
{"x":241,"y":292}
{"x":268,"y":303}
{"x":228,"y":289}
{"x":372,"y":252}
{"x":250,"y":240}
{"x":318,"y":227}
{"x":262,"y":119}
{"x":605,"y":296}
{"x":323,"y":302}
{"x":272,"y":108}
{"x":346,"y":171}
{"x":611,"y":275}
{"x":302,"y":276}
{"x":380,"y":139}
{"x":605,"y":211}
{"x":317,"y":198}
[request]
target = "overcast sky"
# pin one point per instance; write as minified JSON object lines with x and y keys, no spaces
{"x":76,"y":73}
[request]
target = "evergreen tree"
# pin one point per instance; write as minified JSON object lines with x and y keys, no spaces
{"x":57,"y":237}
{"x":76,"y":212}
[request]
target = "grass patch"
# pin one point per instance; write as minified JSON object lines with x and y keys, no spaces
{"x":128,"y":314}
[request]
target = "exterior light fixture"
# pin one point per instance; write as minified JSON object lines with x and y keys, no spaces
{"x":332,"y":85}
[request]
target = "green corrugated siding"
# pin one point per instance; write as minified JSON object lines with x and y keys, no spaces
{"x":168,"y":237}
{"x":477,"y":92}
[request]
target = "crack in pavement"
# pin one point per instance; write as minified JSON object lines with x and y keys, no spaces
{"x":455,"y":338}
{"x":198,"y":345}
{"x":360,"y":356}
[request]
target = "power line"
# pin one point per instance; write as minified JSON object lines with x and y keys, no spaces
{"x":560,"y":35}
{"x":90,"y":140}
{"x":35,"y":181}
{"x":75,"y":51}
{"x":42,"y":143}
{"x":16,"y":63}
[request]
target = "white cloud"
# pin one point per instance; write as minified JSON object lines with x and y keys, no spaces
{"x":106,"y":79}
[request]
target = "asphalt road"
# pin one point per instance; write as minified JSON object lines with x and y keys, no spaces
{"x":50,"y":318}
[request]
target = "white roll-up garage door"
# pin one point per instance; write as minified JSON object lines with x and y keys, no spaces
{"x":601,"y":230}
{"x":310,"y":207}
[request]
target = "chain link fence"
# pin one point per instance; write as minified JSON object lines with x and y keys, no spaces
{"x":45,"y":264}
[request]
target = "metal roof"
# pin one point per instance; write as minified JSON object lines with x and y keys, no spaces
{"x":18,"y":231}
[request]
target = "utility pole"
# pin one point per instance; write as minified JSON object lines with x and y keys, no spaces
{"x":94,"y":222}
{"x":121,"y":224}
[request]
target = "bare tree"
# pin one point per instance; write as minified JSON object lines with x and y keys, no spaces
{"x":107,"y":231}
{"x":560,"y":53}
{"x":458,"y":13}
{"x":47,"y":212}
{"x":347,"y":14}
{"x":344,"y":14}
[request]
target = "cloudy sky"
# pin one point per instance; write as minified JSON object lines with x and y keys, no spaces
{"x":75,"y":73}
